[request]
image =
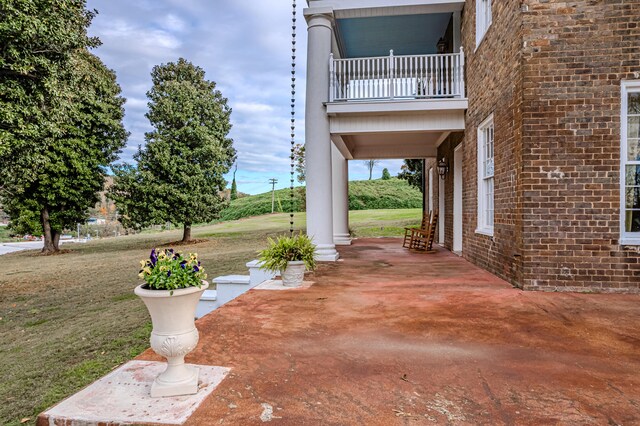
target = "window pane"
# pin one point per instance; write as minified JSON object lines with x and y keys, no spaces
{"x":633,"y":128}
{"x":632,"y":221}
{"x":633,"y":175}
{"x":489,"y":167}
{"x":633,"y":149}
{"x":634,"y":103}
{"x":490,"y":212}
{"x":491,"y":140}
{"x":633,"y":197}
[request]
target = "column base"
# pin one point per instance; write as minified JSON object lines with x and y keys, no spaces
{"x":342,"y":239}
{"x":326,"y":253}
{"x":188,"y":386}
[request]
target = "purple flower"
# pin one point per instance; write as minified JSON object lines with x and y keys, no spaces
{"x":196,"y":269}
{"x":183,"y":264}
{"x":154,"y":257}
{"x":169,"y":274}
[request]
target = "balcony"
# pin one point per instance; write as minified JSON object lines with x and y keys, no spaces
{"x":394,"y":78}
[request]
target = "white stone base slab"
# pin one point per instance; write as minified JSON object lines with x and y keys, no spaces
{"x":277,"y":285}
{"x":123,"y":397}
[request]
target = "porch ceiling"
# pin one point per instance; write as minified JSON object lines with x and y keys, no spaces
{"x":404,"y":34}
{"x":389,"y":145}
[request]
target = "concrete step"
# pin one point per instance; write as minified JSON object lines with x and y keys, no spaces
{"x":228,"y":287}
{"x":208,"y":302}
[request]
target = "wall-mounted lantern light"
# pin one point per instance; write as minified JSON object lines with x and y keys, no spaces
{"x":443,"y":168}
{"x":441,"y":46}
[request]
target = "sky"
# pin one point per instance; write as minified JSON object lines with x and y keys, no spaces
{"x":244,"y":46}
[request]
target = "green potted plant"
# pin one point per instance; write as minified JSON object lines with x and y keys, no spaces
{"x":291,"y":256}
{"x":173,"y":285}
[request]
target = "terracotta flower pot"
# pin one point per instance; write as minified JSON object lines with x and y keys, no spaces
{"x":293,"y":275}
{"x":174,"y":335}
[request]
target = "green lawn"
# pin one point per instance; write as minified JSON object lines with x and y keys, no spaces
{"x":5,"y":235}
{"x":66,"y":320}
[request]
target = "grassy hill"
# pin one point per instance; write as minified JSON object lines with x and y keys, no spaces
{"x":363,"y":195}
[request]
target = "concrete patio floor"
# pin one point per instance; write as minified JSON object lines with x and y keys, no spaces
{"x":389,"y":337}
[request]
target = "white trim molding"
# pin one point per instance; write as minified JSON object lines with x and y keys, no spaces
{"x":486,"y":185}
{"x":629,"y":122}
{"x":484,"y":19}
{"x":431,"y":176}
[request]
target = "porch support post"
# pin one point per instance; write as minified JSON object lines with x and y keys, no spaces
{"x":341,"y":236}
{"x":318,"y":139}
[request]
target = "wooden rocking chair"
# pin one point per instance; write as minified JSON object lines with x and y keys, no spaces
{"x":422,"y":240}
{"x":409,"y":232}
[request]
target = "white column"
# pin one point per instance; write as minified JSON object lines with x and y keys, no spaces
{"x":318,"y":140}
{"x":341,"y":236}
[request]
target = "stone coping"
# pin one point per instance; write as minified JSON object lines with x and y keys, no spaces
{"x":277,"y":285}
{"x":122,"y":398}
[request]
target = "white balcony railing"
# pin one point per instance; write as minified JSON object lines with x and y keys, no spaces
{"x":397,"y":77}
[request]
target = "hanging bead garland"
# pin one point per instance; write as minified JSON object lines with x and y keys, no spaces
{"x":293,"y":113}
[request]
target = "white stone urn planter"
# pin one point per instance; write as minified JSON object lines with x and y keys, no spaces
{"x":293,"y":275}
{"x":174,"y":335}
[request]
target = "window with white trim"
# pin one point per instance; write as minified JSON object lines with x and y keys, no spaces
{"x":485,"y":177}
{"x":630,"y":163}
{"x":483,"y":19}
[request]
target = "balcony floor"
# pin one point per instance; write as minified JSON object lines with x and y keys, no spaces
{"x":391,"y":337}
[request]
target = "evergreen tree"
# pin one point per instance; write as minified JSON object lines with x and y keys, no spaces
{"x":179,"y":173}
{"x":234,"y":189}
{"x":60,"y":116}
{"x":385,"y":174}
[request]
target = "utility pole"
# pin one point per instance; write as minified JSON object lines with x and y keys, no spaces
{"x":273,"y":182}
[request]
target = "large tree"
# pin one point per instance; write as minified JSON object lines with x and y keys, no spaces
{"x":60,"y":116}
{"x":411,"y":171}
{"x":179,"y":173}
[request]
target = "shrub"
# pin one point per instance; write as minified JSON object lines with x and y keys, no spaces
{"x":288,"y":249}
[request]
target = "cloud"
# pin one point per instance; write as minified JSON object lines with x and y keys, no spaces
{"x":244,"y":46}
{"x":252,"y":107}
{"x":172,"y":22}
{"x":136,"y":103}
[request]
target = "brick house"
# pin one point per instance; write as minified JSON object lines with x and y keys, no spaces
{"x":533,"y":106}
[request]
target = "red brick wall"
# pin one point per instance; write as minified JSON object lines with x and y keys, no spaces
{"x":494,"y":86}
{"x":575,"y":55}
